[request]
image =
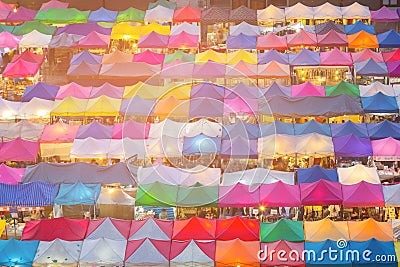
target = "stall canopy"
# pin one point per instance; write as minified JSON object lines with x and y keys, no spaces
{"x":241,"y":55}
{"x":271,"y":41}
{"x":40,"y":90}
{"x":273,"y":55}
{"x":19,"y":150}
{"x":8,"y":40}
{"x":29,"y":26}
{"x":157,"y":194}
{"x":365,"y":230}
{"x":283,"y":229}
{"x":391,"y":56}
{"x":343,"y":88}
{"x":356,"y":174}
{"x":358,"y":27}
{"x":276,"y":89}
{"x":363,"y":194}
{"x":130,"y":15}
{"x":59,"y":251}
{"x":86,"y":56}
{"x":54,"y":4}
{"x":215,"y":15}
{"x":115,"y":196}
{"x":194,"y":228}
{"x":312,"y":127}
{"x":192,"y":251}
{"x":237,"y":252}
{"x":322,"y":192}
{"x":62,"y":16}
{"x":185,"y":27}
{"x":238,"y":227}
{"x":240,"y":70}
{"x":239,"y":195}
{"x":84,"y":29}
{"x":307,"y":89}
{"x":74,"y":90}
{"x":279,"y":194}
{"x":107,"y":89}
{"x":10,"y":175}
{"x":319,"y":231}
{"x":383,"y":249}
{"x":384,"y":14}
{"x":183,"y":40}
{"x":301,"y":38}
{"x":116,"y":57}
{"x":21,"y":69}
{"x":256,"y":176}
{"x":391,"y":194}
{"x":103,"y":15}
{"x":387,"y":147}
{"x":151,"y":228}
{"x":383,"y":129}
{"x":332,"y":38}
{"x":108,"y":228}
{"x":349,"y":127}
{"x":147,"y":252}
{"x":90,"y":148}
{"x":299,"y":11}
{"x":376,"y":87}
{"x":356,"y":11}
{"x":327,"y":11}
{"x":393,"y":68}
{"x":371,"y":68}
{"x":197,"y":195}
{"x":304,"y":58}
{"x":244,"y":28}
{"x":325,"y":27}
{"x":17,"y":253}
{"x":22,"y":14}
{"x":324,"y":245}
{"x":59,"y":133}
{"x":209,"y":70}
{"x":78,"y":193}
{"x":103,"y":251}
{"x":178,"y":55}
{"x":269,"y":13}
{"x":210,"y":55}
{"x":273,"y":69}
{"x":187,"y":14}
{"x":379,"y":103}
{"x":159,"y":14}
{"x":316,"y":173}
{"x":389,"y":39}
{"x":94,"y":40}
{"x":352,"y":146}
{"x":362,"y":39}
{"x":241,"y":41}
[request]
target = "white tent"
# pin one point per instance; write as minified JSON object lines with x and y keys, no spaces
{"x":35,"y":109}
{"x":257,"y":176}
{"x":327,"y":11}
{"x":376,"y":87}
{"x":358,"y":173}
{"x":396,"y":228}
{"x":299,"y":11}
{"x":269,"y":13}
{"x":115,"y":196}
{"x":63,"y":150}
{"x":142,"y":148}
{"x":159,"y":14}
{"x":280,"y":144}
{"x":171,"y":147}
{"x":112,"y":229}
{"x":102,"y":252}
{"x":202,"y":126}
{"x":314,"y":144}
{"x":392,"y":195}
{"x":116,"y":149}
{"x":90,"y":148}
{"x":244,"y":28}
{"x":147,"y":252}
{"x":158,"y":173}
{"x":35,"y":39}
{"x":356,"y":11}
{"x":185,"y":27}
{"x":8,"y":109}
{"x":190,"y":253}
{"x":57,"y":252}
{"x":165,"y":128}
{"x":200,"y":174}
{"x":22,"y":129}
{"x":150,"y":229}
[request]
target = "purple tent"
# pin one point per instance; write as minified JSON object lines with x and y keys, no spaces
{"x":95,"y":130}
{"x":40,"y":90}
{"x":239,"y":147}
{"x":206,"y":107}
{"x":276,"y":89}
{"x":84,"y":29}
{"x":137,"y":106}
{"x":23,"y":14}
{"x":108,"y":90}
{"x":393,"y":68}
{"x":371,"y":68}
{"x":384,"y":14}
{"x":87,"y":57}
{"x":209,"y":70}
{"x":201,"y":144}
{"x":103,"y":15}
{"x":245,"y":91}
{"x":241,"y":41}
{"x":153,"y":40}
{"x":248,"y":130}
{"x":273,"y":55}
{"x":352,"y":146}
{"x":207,"y":90}
{"x":304,"y":58}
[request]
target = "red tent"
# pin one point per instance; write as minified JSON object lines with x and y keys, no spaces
{"x":321,"y":193}
{"x":29,"y":57}
{"x":187,"y":14}
{"x":147,"y":251}
{"x":62,"y":228}
{"x":194,"y":228}
{"x":271,"y":41}
{"x":363,"y":194}
{"x":365,"y":55}
{"x":391,"y":56}
{"x":108,"y":228}
{"x":21,"y":69}
{"x":288,"y":259}
{"x":238,"y":227}
{"x":94,"y":40}
{"x":151,"y":228}
{"x":302,"y":38}
{"x":332,"y":38}
{"x":280,"y":194}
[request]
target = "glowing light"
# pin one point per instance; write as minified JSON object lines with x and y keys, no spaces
{"x":15,"y":9}
{"x":111,"y":190}
{"x":262,"y":208}
{"x":41,"y":113}
{"x":126,"y":37}
{"x":7,"y":114}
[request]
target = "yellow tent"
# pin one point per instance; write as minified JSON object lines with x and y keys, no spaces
{"x":179,"y":91}
{"x":150,"y":92}
{"x":125,"y":31}
{"x":365,"y":230}
{"x":241,"y":55}
{"x":205,"y":56}
{"x":397,"y":249}
{"x":154,"y":27}
{"x":2,"y":226}
{"x":172,"y":107}
{"x":103,"y":106}
{"x":69,"y":106}
{"x":321,"y":230}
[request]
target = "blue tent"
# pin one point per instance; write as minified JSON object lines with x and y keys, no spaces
{"x":370,"y":67}
{"x":380,"y":103}
{"x":78,"y":193}
{"x":86,"y":57}
{"x":33,"y":194}
{"x":349,"y":127}
{"x":241,"y":128}
{"x":318,"y":255}
{"x":316,"y":173}
{"x":312,"y":127}
{"x":137,"y":106}
{"x":379,"y":253}
{"x":304,"y":58}
{"x":389,"y":39}
{"x":241,"y":41}
{"x":384,"y":129}
{"x":273,"y":55}
{"x":40,"y":90}
{"x":201,"y":144}
{"x":17,"y":253}
{"x":357,"y":27}
{"x":277,"y":127}
{"x":103,"y":15}
{"x":276,"y":89}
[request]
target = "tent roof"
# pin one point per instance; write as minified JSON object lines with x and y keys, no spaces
{"x":273,"y":55}
{"x":84,"y":29}
{"x":115,"y":196}
{"x":358,"y":27}
{"x":147,"y":251}
{"x":244,"y":28}
{"x":198,"y":251}
{"x":35,"y":39}
{"x":387,"y":147}
{"x":238,"y":227}
{"x":116,"y":57}
{"x":21,"y":69}
{"x":94,"y":40}
{"x":18,"y":253}
{"x":356,"y":11}
{"x":362,"y":39}
{"x":194,"y":228}
{"x":69,"y":106}
{"x":103,"y":251}
{"x":237,"y":252}
{"x":324,"y":229}
{"x":322,"y":192}
{"x":349,"y":127}
{"x":149,"y":57}
{"x":391,"y":194}
{"x":78,"y":193}
{"x":183,"y":40}
{"x":239,"y":195}
{"x":356,"y":174}
{"x":304,"y":58}
{"x":40,"y":90}
{"x":73,"y":90}
{"x":10,"y":175}
{"x":352,"y":146}
{"x":151,"y":228}
{"x":130,"y":14}
{"x":210,"y":55}
{"x":384,"y":14}
{"x":307,"y":89}
{"x":363,"y":194}
{"x":59,"y":133}
{"x":215,"y":15}
{"x":28,"y":56}
{"x":209,"y":70}
{"x":34,"y":109}
{"x":280,"y":194}
{"x":22,"y":14}
{"x":273,"y":69}
{"x":54,"y":4}
{"x":60,"y":251}
{"x":365,"y":55}
{"x":343,"y":88}
{"x":103,"y":15}
{"x":84,"y":69}
{"x":380,"y":103}
{"x":332,"y":38}
{"x":86,"y":56}
{"x":187,"y":14}
{"x":163,"y":3}
{"x":62,"y":16}
{"x":159,"y":14}
{"x":243,"y":14}
{"x":107,"y":89}
{"x":315,"y":173}
{"x":371,"y":68}
{"x":389,"y":39}
{"x":327,"y":11}
{"x":391,"y":56}
{"x":318,"y":247}
{"x":376,"y":87}
{"x":383,"y":129}
{"x":29,"y":26}
{"x":325,"y":27}
{"x":365,"y":230}
{"x":156,"y":194}
{"x":301,"y":38}
{"x":178,"y":55}
{"x":282,"y":230}
{"x":197,"y":195}
{"x":129,"y":69}
{"x":201,"y":144}
{"x":103,"y":106}
{"x":90,"y":148}
{"x":185,"y":27}
{"x":299,"y":11}
{"x":271,"y":12}
{"x":95,"y":130}
{"x":110,"y":228}
{"x":271,"y":41}
{"x":256,"y":176}
{"x":241,"y":55}
{"x":137,"y":106}
{"x":241,"y":41}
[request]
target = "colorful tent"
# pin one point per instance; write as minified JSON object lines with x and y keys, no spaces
{"x":110,"y":228}
{"x":183,"y":40}
{"x":271,"y":41}
{"x":371,"y":68}
{"x":283,"y":229}
{"x":116,"y":57}
{"x":130,"y":15}
{"x":156,"y":194}
{"x":325,"y":27}
{"x":379,"y":103}
{"x":319,"y":231}
{"x":376,"y":87}
{"x":33,"y":194}
{"x":10,"y":175}
{"x":17,"y":253}
{"x":239,"y":147}
{"x":210,"y":55}
{"x":367,"y":54}
{"x":269,"y":13}
{"x":85,"y":56}
{"x":58,"y":251}
{"x":78,"y":193}
{"x":185,"y":27}
{"x":69,"y":106}
{"x":307,"y":89}
{"x":62,"y":16}
{"x":8,"y":40}
{"x":241,"y":41}
{"x":332,"y":38}
{"x":21,"y":69}
{"x":28,"y":56}
{"x":241,"y":70}
{"x":391,"y":56}
{"x":237,"y":252}
{"x":276,"y":89}
{"x":365,"y":230}
{"x":243,"y":90}
{"x":383,"y":249}
{"x":103,"y":106}
{"x":393,"y":68}
{"x":147,"y":252}
{"x":29,"y":26}
{"x":256,"y":176}
{"x":279,"y":194}
{"x":316,"y":173}
{"x":103,"y":15}
{"x":159,"y":14}
{"x":322,"y":192}
{"x":243,"y":14}
{"x":384,"y":14}
{"x":304,"y":58}
{"x":312,"y":127}
{"x":128,"y":70}
{"x":301,"y":38}
{"x":59,"y":133}
{"x":391,"y":194}
{"x":180,"y":56}
{"x":19,"y":150}
{"x":209,"y":70}
{"x":115,"y":196}
{"x":187,"y":14}
{"x":327,"y":11}
{"x":74,"y":90}
{"x":22,"y":14}
{"x":36,"y":108}
{"x":84,"y":29}
{"x":383,"y":129}
{"x":137,"y":106}
{"x":387,"y":147}
{"x":358,"y":27}
{"x":102,"y":251}
{"x":94,"y":40}
{"x":244,"y":28}
{"x":389,"y":39}
{"x":107,"y":89}
{"x":54,"y":4}
{"x":194,"y":228}
{"x":363,"y":194}
{"x":324,"y":245}
{"x":239,"y":195}
{"x":151,"y":228}
{"x":241,"y":55}
{"x":299,"y":11}
{"x":273,"y":55}
{"x":164,"y":3}
{"x":35,"y":39}
{"x":287,"y":248}
{"x":343,"y":88}
{"x":238,"y":227}
{"x":273,"y":69}
{"x":197,"y":195}
{"x":83,"y":71}
{"x":349,"y":127}
{"x":356,"y":11}
{"x":40,"y":90}
{"x":356,"y":174}
{"x":362,"y":39}
{"x":201,"y":144}
{"x":192,"y":251}
{"x":177,"y":70}
{"x":352,"y":146}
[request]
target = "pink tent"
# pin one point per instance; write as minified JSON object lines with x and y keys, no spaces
{"x":336,"y":57}
{"x":209,"y":70}
{"x":149,"y":57}
{"x":273,"y":69}
{"x":332,"y":38}
{"x":280,"y":194}
{"x":8,"y":40}
{"x":10,"y":175}
{"x":241,"y":69}
{"x":54,"y":4}
{"x":241,"y":105}
{"x":94,"y":40}
{"x":21,"y":69}
{"x":365,"y":55}
{"x":391,"y":56}
{"x":75,"y":90}
{"x":288,"y":247}
{"x":183,"y":40}
{"x":19,"y":150}
{"x":271,"y":41}
{"x":363,"y":194}
{"x":107,"y":90}
{"x":131,"y":129}
{"x":307,"y":89}
{"x":238,"y":195}
{"x":23,"y":14}
{"x":59,"y":133}
{"x":153,"y":40}
{"x":140,"y":252}
{"x":177,"y":69}
{"x":29,"y":56}
{"x":302,"y":38}
{"x":387,"y":147}
{"x":321,"y":193}
{"x":6,"y":7}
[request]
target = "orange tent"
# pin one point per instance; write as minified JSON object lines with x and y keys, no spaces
{"x":237,"y":253}
{"x":172,"y":107}
{"x":116,"y":57}
{"x":362,"y":39}
{"x":319,"y":231}
{"x":365,"y":230}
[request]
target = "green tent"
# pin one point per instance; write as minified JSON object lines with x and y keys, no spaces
{"x":29,"y":26}
{"x":179,"y":55}
{"x":197,"y":196}
{"x":282,"y":230}
{"x":156,"y":194}
{"x":163,"y":3}
{"x":343,"y":88}
{"x":62,"y":16}
{"x":6,"y":28}
{"x":131,"y":14}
